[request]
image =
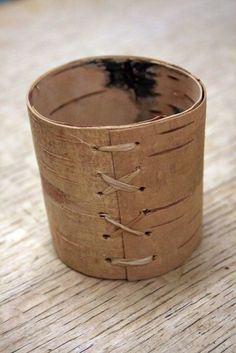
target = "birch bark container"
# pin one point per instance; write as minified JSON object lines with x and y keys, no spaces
{"x":119,"y":143}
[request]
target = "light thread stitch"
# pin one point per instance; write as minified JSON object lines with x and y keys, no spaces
{"x":120,"y":184}
{"x":122,"y":226}
{"x":117,"y":148}
{"x":132,"y":262}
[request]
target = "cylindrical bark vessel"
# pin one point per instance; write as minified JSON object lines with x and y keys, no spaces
{"x":119,"y":142}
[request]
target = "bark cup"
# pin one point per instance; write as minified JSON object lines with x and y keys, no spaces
{"x":119,"y":142}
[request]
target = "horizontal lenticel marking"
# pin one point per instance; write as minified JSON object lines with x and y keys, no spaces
{"x":55,"y":155}
{"x":173,"y":77}
{"x":171,"y":149}
{"x":151,"y":210}
{"x":74,"y":100}
{"x":177,"y":128}
{"x":53,"y":171}
{"x":191,"y":100}
{"x":169,"y":222}
{"x":190,"y":238}
{"x":175,"y":109}
{"x":155,"y":111}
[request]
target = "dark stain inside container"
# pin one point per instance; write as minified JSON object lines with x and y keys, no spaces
{"x":131,"y":74}
{"x":139,"y":90}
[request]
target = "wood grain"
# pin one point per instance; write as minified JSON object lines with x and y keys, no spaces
{"x":46,"y":307}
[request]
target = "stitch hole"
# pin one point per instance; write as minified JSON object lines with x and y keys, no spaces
{"x":106,"y":236}
{"x":148,"y":232}
{"x":137,"y":143}
{"x":108,"y":259}
{"x":142,"y":188}
{"x":154,"y":257}
{"x":102,"y":214}
{"x":145,"y":211}
{"x":94,"y":148}
{"x":100,"y":193}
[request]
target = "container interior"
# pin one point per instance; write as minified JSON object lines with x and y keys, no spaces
{"x":113,"y":91}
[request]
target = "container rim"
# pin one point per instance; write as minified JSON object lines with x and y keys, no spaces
{"x":171,"y":117}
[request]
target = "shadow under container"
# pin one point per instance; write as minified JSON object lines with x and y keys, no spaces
{"x":119,"y":142}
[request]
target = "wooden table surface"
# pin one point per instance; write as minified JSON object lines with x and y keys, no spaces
{"x":45,"y":306}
